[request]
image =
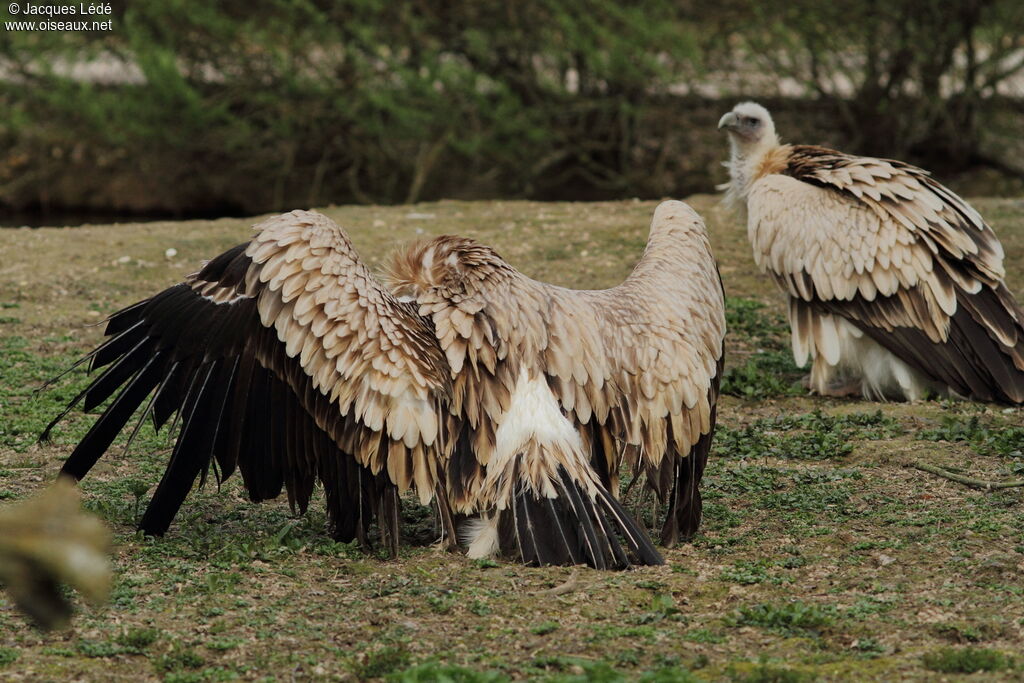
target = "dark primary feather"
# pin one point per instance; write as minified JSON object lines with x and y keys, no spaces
{"x":685,"y":507}
{"x":971,"y":361}
{"x":240,"y":401}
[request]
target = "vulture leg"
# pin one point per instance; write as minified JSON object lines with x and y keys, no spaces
{"x":842,"y":389}
{"x":449,"y":538}
{"x":390,"y":513}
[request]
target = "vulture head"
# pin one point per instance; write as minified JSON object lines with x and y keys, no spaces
{"x":749,"y":124}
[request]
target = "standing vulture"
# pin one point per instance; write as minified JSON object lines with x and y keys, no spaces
{"x":895,"y":284}
{"x":509,"y":400}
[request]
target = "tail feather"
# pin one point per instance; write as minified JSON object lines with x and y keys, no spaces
{"x":584,"y":517}
{"x":638,"y":538}
{"x":574,"y":527}
{"x":566,"y":534}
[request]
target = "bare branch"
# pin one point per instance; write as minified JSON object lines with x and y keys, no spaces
{"x":965,"y":480}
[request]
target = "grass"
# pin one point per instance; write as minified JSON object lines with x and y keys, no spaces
{"x":822,"y":556}
{"x":788,"y":618}
{"x":766,"y":368}
{"x":967,"y":660}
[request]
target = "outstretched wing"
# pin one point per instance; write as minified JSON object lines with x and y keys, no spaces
{"x":637,"y":365}
{"x":285,"y":358}
{"x":650,"y":374}
{"x":883,"y":245}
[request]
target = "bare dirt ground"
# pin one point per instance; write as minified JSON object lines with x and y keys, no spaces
{"x":823,"y":556}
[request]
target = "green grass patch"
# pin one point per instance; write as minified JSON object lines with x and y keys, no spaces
{"x":765,"y":374}
{"x":8,"y":655}
{"x":544,"y":628}
{"x":811,"y":436}
{"x":751,"y":572}
{"x":751,"y":320}
{"x":382,"y":662}
{"x":987,"y":438}
{"x":137,"y":640}
{"x":768,"y":371}
{"x":789,"y":618}
{"x":433,"y":672}
{"x":966,"y":660}
{"x":762,"y":672}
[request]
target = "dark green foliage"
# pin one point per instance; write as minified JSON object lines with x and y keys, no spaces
{"x":289,"y":103}
{"x":752,"y":441}
{"x":750,"y":572}
{"x":987,"y":439}
{"x":812,"y":436}
{"x":748,"y":319}
{"x":828,"y":500}
{"x":92,"y":648}
{"x":926,"y":98}
{"x":8,"y":656}
{"x":432,"y":672}
{"x":382,"y":662}
{"x":177,"y":659}
{"x":745,"y":480}
{"x":765,"y":374}
{"x":136,"y":640}
{"x":790,"y":618}
{"x":966,"y":661}
{"x":769,"y":371}
{"x":662,"y":608}
{"x":213,"y":107}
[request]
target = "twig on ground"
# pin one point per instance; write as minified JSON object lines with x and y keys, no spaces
{"x":569,"y":586}
{"x":967,"y":481}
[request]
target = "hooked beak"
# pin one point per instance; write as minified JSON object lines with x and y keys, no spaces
{"x":729,"y":121}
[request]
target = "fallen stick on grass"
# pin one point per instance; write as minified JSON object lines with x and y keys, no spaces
{"x":568,"y":587}
{"x":967,"y":481}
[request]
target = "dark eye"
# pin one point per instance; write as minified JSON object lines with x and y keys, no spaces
{"x":752,"y":121}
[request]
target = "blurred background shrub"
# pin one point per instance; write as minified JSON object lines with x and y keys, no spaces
{"x":190,"y":107}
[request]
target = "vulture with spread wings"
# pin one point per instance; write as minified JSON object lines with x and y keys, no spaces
{"x":895,"y":284}
{"x":509,"y":402}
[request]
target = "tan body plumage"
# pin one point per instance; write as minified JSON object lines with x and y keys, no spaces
{"x":635,"y":368}
{"x":895,"y":284}
{"x":502,"y":396}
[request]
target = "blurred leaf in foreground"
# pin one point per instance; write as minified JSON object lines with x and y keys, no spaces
{"x":48,"y":541}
